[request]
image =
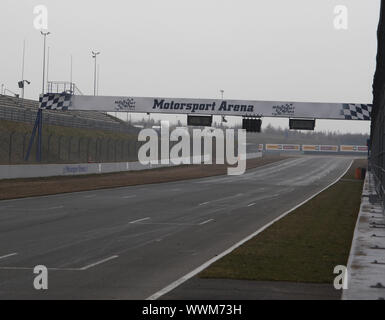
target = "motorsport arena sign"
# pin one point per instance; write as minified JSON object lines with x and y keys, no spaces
{"x":344,"y":111}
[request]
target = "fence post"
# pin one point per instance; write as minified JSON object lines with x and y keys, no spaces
{"x":128,"y":149}
{"x":108,"y":150}
{"x":122,"y":150}
{"x":88,"y":150}
{"x":24,"y":139}
{"x":69,"y":149}
{"x":49,"y":146}
{"x":79,"y":141}
{"x":116,"y":141}
{"x":96,"y":149}
{"x":10,"y":146}
{"x":59,"y":148}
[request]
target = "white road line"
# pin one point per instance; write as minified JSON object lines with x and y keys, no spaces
{"x":139,"y":220}
{"x":221,"y":199}
{"x":32,"y":268}
{"x":53,"y":208}
{"x":193,"y":273}
{"x":97,"y":263}
{"x":168,"y":223}
{"x":251,"y":204}
{"x":128,"y":197}
{"x":8,"y":255}
{"x":207,"y":221}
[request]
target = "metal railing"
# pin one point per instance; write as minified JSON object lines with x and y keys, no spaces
{"x":61,"y":119}
{"x":57,"y":148}
{"x":63,"y":86}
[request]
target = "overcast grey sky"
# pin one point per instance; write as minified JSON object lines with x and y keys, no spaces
{"x":252,"y":49}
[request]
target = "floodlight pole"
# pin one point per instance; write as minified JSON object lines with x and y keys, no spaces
{"x":94,"y":55}
{"x":44,"y":34}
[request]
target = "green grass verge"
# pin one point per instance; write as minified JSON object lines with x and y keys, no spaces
{"x":304,"y":246}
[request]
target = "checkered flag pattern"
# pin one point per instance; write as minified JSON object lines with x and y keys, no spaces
{"x":357,"y":111}
{"x":55,"y":101}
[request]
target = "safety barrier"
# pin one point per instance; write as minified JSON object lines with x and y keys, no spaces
{"x":49,"y":170}
{"x":313,"y":148}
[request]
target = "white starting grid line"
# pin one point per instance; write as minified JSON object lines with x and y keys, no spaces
{"x":90,"y":196}
{"x":98,"y":262}
{"x":204,"y":222}
{"x":89,"y":266}
{"x":129,"y":197}
{"x":140,"y":220}
{"x":54,"y":208}
{"x":8,"y":255}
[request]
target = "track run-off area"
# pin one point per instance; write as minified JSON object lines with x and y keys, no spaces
{"x":132,"y":242}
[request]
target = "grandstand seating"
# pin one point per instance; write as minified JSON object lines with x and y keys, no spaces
{"x":24,"y":110}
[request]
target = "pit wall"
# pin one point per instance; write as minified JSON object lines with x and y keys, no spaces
{"x":50,"y":170}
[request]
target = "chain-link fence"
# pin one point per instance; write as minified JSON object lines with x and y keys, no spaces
{"x":68,"y":149}
{"x":67,"y":119}
{"x":377,"y":141}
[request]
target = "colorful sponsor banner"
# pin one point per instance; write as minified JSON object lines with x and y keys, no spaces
{"x":310,"y":147}
{"x":284,"y":147}
{"x":260,"y":147}
{"x":273,"y":146}
{"x":328,"y":148}
{"x":291,"y":147}
{"x":362,"y":148}
{"x":348,"y":148}
{"x":343,"y":111}
{"x":317,"y":148}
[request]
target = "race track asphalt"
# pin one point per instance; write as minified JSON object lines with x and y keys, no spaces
{"x":128,"y":243}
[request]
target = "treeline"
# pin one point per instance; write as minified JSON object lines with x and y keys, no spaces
{"x":271,"y":134}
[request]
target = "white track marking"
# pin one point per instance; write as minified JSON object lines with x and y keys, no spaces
{"x":251,"y":204}
{"x":193,"y":273}
{"x":129,"y":197}
{"x":97,"y":263}
{"x":53,"y":208}
{"x":8,"y":255}
{"x":207,"y":221}
{"x":168,"y":223}
{"x":139,"y":220}
{"x":32,"y":268}
{"x":60,"y":269}
{"x":222,"y":199}
{"x":90,"y":196}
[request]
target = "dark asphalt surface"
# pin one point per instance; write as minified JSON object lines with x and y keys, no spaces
{"x":128,"y":243}
{"x":230,"y":289}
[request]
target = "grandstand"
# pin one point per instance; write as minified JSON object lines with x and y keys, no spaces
{"x":24,"y":110}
